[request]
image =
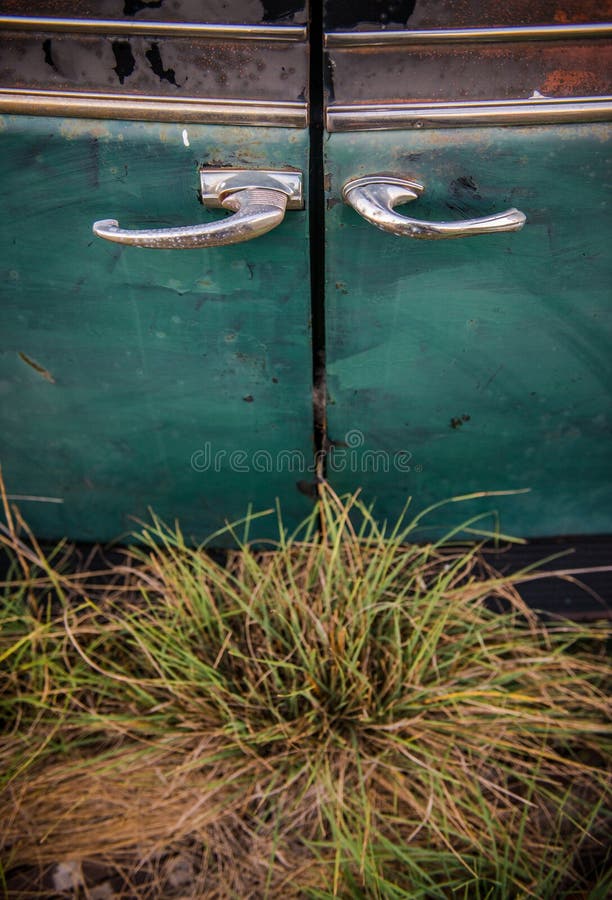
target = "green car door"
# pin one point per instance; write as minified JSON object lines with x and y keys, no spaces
{"x":469,"y":332}
{"x":449,"y":171}
{"x":131,"y":377}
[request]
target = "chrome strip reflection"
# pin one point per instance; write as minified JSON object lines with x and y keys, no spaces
{"x":169,"y":29}
{"x":161,"y":109}
{"x":347,"y":39}
{"x":533,"y":111}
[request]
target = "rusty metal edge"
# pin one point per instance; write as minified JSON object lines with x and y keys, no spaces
{"x":533,"y":111}
{"x":355,"y":39}
{"x":160,"y":109}
{"x":175,"y":29}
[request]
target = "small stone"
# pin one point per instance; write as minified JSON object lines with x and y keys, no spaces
{"x":179,"y":871}
{"x":68,"y":876}
{"x":103,"y":891}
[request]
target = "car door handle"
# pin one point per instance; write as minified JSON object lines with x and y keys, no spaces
{"x":257,"y":198}
{"x":374,"y":197}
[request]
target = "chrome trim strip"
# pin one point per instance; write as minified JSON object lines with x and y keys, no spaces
{"x":345,"y":39}
{"x":168,"y":29}
{"x":534,"y":111}
{"x":147,"y":108}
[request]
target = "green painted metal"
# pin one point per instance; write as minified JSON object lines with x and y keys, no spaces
{"x":487,"y":359}
{"x":129,"y":376}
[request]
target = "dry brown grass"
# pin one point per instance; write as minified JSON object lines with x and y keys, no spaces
{"x":344,"y":716}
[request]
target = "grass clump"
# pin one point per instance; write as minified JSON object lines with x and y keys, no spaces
{"x":344,"y":715}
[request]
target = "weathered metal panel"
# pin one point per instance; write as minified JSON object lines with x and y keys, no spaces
{"x":129,"y":376}
{"x":482,"y":363}
{"x":340,"y":14}
{"x":470,"y":71}
{"x":175,"y":67}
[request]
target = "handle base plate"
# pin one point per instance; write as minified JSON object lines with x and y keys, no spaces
{"x":216,"y":184}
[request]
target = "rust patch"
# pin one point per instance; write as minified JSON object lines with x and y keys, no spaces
{"x":590,"y":12}
{"x":44,"y":373}
{"x":457,"y":421}
{"x":570,"y":82}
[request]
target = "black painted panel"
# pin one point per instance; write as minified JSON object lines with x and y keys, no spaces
{"x":174,"y":66}
{"x":231,"y":12}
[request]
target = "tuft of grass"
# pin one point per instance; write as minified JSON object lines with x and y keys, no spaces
{"x":343,"y":715}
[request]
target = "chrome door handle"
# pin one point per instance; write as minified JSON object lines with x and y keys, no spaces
{"x":257,"y":198}
{"x":374,"y":197}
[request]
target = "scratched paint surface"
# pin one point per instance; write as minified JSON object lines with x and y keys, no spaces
{"x":487,"y":359}
{"x":118,"y":364}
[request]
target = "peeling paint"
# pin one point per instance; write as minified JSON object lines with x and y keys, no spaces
{"x":153,"y":55}
{"x":48,"y":54}
{"x":75,"y":129}
{"x":185,"y":137}
{"x":124,"y":57}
